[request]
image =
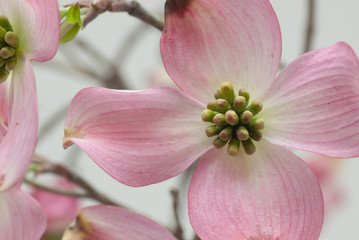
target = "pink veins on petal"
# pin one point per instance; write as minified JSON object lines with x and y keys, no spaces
{"x":257,"y":190}
{"x":29,"y":32}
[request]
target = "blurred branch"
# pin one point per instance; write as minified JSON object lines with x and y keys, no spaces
{"x":55,"y":190}
{"x":133,"y":8}
{"x":310,"y":26}
{"x":196,"y":237}
{"x":129,"y":43}
{"x":46,"y":166}
{"x":178,"y":233}
{"x":136,"y":10}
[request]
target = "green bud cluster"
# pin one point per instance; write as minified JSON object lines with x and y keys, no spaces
{"x":234,"y":120}
{"x":9,"y":43}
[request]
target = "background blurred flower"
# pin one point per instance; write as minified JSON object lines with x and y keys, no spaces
{"x":60,"y":209}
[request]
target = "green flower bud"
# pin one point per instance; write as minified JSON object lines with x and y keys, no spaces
{"x":248,"y":146}
{"x":233,"y":147}
{"x":242,"y":133}
{"x":246,"y":117}
{"x":231,"y":117}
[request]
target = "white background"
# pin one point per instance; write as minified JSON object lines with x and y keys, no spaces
{"x":335,"y":21}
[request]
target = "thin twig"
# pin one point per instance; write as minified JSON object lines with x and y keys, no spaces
{"x":136,"y":10}
{"x":55,"y":190}
{"x":124,"y":49}
{"x":196,"y":237}
{"x":133,"y":8}
{"x":310,"y":27}
{"x":178,"y":233}
{"x":62,"y":170}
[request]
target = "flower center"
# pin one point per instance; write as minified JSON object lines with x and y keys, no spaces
{"x":234,"y":119}
{"x":9,"y":43}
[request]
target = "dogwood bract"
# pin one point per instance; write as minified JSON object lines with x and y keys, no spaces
{"x":233,"y":110}
{"x":29,"y":30}
{"x":112,"y":223}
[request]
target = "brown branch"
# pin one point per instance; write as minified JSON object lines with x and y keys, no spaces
{"x":178,"y":233}
{"x":133,"y":8}
{"x":310,"y":27}
{"x":55,"y":190}
{"x":136,"y":10}
{"x":196,"y":237}
{"x":62,"y":170}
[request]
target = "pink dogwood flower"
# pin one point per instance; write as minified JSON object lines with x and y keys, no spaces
{"x":113,"y":223}
{"x":29,"y":30}
{"x":248,"y":184}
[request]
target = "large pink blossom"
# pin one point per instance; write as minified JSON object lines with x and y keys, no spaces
{"x":113,"y":223}
{"x":264,"y":192}
{"x":29,"y":31}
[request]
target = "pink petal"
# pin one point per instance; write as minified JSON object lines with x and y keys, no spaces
{"x":269,"y":195}
{"x":17,"y":146}
{"x":137,"y":137}
{"x":22,"y":218}
{"x":313,"y":104}
{"x":37,"y":23}
{"x":60,"y":209}
{"x":4,"y":98}
{"x":206,"y":42}
{"x":112,"y":223}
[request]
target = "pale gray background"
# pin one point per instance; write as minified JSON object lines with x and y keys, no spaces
{"x":337,"y":20}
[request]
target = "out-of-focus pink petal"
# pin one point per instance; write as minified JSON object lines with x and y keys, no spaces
{"x":37,"y":23}
{"x":18,"y":144}
{"x":206,"y":42}
{"x":269,"y":195}
{"x":326,"y":169}
{"x":138,"y":137}
{"x":60,"y":210}
{"x":22,"y":218}
{"x":112,"y":223}
{"x":313,"y":104}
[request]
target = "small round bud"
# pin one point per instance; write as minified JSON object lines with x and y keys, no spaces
{"x":246,"y":116}
{"x":240,"y":103}
{"x":242,"y":133}
{"x":256,"y":135}
{"x":244,"y":93}
{"x":212,"y":130}
{"x":233,"y":147}
{"x":207,"y":115}
{"x":232,"y":117}
{"x":12,"y":39}
{"x":219,"y":119}
{"x":222,"y":105}
{"x":218,"y":143}
{"x":257,"y":123}
{"x":7,"y":52}
{"x":10,"y":65}
{"x":228,"y":92}
{"x":226,"y":134}
{"x":256,"y":106}
{"x":211,"y":105}
{"x":248,"y":147}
